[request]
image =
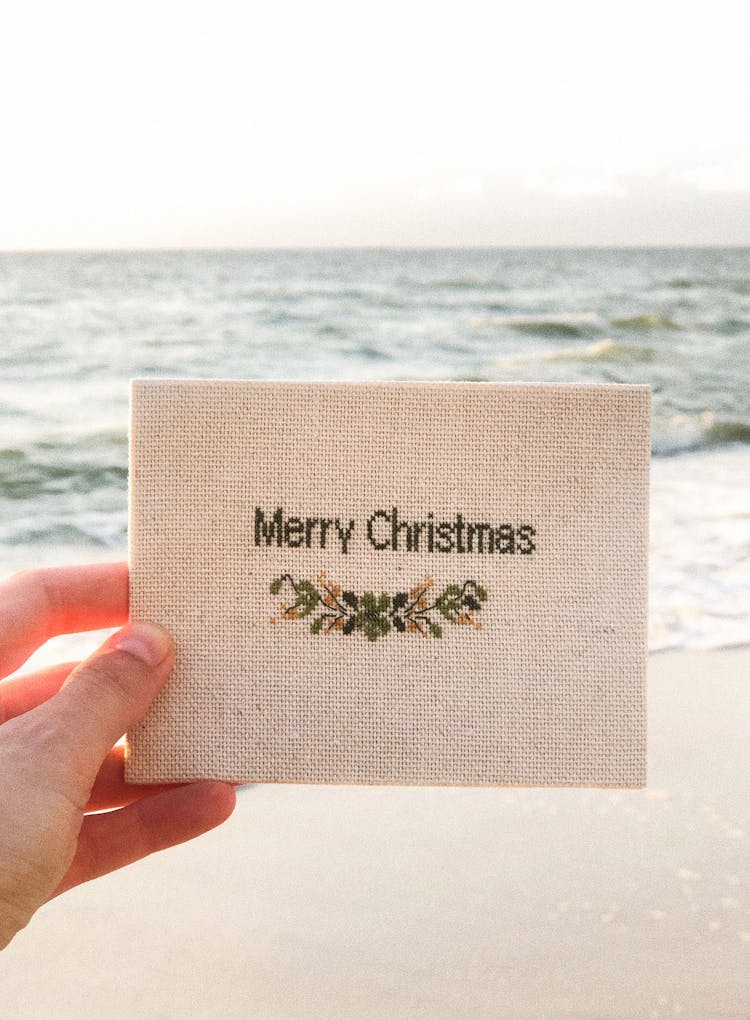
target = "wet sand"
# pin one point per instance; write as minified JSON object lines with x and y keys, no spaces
{"x":413,"y":902}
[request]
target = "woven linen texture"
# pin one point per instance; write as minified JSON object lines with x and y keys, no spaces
{"x":370,"y":650}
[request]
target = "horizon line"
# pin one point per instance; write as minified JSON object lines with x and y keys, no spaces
{"x":215,"y":249}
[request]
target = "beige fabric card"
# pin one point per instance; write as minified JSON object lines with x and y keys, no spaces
{"x":434,"y":583}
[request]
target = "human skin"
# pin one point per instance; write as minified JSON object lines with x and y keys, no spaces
{"x":58,"y":731}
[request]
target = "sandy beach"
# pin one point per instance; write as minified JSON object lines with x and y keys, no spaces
{"x":437,"y":902}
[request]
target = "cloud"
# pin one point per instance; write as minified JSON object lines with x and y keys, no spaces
{"x":467,"y":187}
{"x":730,"y":176}
{"x":575,"y":185}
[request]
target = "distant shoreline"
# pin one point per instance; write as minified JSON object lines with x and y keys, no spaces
{"x":308,"y":249}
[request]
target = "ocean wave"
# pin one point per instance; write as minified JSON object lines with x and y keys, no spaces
{"x":682,"y":433}
{"x":40,"y":530}
{"x":721,"y":432}
{"x":599,"y":350}
{"x":732,"y":326}
{"x":574,"y":324}
{"x":602,"y":350}
{"x":469,"y":283}
{"x":645,"y":322}
{"x":46,"y":468}
{"x":370,"y":353}
{"x":737,"y":285}
{"x":291,"y":293}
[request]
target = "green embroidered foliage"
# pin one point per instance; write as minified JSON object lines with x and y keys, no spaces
{"x":306,"y":596}
{"x":455,"y":602}
{"x":372,"y":617}
{"x":376,"y":615}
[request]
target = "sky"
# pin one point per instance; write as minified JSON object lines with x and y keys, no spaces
{"x":315,"y":124}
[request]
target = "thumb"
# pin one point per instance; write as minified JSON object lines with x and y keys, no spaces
{"x":109,"y":692}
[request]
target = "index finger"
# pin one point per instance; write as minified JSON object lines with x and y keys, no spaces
{"x":42,"y":602}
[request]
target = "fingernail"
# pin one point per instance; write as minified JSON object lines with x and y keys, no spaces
{"x":146,"y":641}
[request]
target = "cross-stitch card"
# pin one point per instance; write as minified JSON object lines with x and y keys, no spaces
{"x":423,"y":583}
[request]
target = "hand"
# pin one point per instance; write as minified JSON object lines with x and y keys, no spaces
{"x":57,"y":731}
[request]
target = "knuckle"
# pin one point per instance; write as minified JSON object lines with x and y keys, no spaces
{"x":35,"y":579}
{"x":36,"y":582}
{"x":116,"y":673}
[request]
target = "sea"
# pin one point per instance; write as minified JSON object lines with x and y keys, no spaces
{"x":75,"y":327}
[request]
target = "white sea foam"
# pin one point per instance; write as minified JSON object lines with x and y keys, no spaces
{"x":699,"y":595}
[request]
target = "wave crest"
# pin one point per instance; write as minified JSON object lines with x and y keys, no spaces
{"x":645,"y":322}
{"x":682,"y":433}
{"x":603,"y":350}
{"x":574,"y":324}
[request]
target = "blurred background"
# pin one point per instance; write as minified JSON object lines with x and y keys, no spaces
{"x":405,"y":191}
{"x":335,"y":191}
